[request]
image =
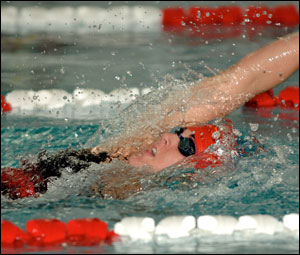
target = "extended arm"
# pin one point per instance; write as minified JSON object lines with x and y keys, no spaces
{"x":213,"y":97}
{"x":257,"y":72}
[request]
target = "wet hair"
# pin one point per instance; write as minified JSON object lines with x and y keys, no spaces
{"x":35,"y":175}
{"x":74,"y":160}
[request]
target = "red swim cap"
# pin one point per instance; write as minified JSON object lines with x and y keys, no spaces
{"x":204,"y":136}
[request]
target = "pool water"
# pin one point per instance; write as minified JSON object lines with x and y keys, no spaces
{"x":264,"y":183}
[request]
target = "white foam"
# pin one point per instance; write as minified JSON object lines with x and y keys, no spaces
{"x":176,"y":226}
{"x":220,"y":224}
{"x":137,"y":228}
{"x":145,"y":91}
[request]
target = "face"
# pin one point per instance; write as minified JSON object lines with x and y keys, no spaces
{"x":161,"y":154}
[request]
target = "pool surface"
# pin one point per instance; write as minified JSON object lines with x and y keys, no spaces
{"x":89,"y":80}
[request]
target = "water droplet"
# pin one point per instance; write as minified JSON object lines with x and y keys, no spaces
{"x":142,"y":64}
{"x":219,"y":152}
{"x":216,"y":135}
{"x":254,"y":126}
{"x":198,"y":14}
{"x":234,"y":154}
{"x":237,"y":132}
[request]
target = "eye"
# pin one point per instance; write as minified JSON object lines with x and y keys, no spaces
{"x":179,"y":131}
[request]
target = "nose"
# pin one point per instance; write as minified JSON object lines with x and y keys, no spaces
{"x":169,"y":140}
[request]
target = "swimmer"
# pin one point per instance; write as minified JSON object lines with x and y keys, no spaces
{"x":215,"y":97}
{"x":212,"y":98}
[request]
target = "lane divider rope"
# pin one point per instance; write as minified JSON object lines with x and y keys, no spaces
{"x":288,"y":98}
{"x":93,"y":231}
{"x":85,"y":20}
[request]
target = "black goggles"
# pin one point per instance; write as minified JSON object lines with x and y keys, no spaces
{"x":186,"y":145}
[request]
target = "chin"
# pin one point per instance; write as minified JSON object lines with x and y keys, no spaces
{"x":139,"y":161}
{"x":136,"y":161}
{"x":133,"y":161}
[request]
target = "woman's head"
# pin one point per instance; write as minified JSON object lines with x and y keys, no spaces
{"x":163,"y":153}
{"x":173,"y":147}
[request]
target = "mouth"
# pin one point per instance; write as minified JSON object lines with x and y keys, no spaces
{"x":151,"y":152}
{"x":154,"y":150}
